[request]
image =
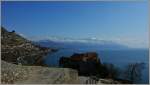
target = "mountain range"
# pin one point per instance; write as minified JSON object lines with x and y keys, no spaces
{"x":89,"y":43}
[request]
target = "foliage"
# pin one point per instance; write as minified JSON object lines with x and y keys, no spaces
{"x":133,"y":71}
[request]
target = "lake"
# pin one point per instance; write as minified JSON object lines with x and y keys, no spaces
{"x":119,"y":58}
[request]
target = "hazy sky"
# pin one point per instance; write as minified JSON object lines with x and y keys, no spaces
{"x":125,"y":22}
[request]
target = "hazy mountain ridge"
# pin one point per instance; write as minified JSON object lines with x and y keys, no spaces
{"x":83,"y":43}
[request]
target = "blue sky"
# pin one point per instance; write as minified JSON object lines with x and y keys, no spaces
{"x":124,"y":22}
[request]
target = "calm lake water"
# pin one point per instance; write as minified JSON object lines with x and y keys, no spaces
{"x":119,"y":58}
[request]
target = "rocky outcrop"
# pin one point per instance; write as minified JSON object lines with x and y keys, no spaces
{"x":90,"y":56}
{"x":18,"y":50}
{"x":18,"y":74}
{"x":82,"y":63}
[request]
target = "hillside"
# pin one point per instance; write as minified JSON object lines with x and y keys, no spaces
{"x":18,"y":50}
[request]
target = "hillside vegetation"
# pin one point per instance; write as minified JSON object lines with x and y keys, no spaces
{"x":18,"y":50}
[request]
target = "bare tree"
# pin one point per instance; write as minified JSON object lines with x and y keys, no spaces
{"x":133,"y":71}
